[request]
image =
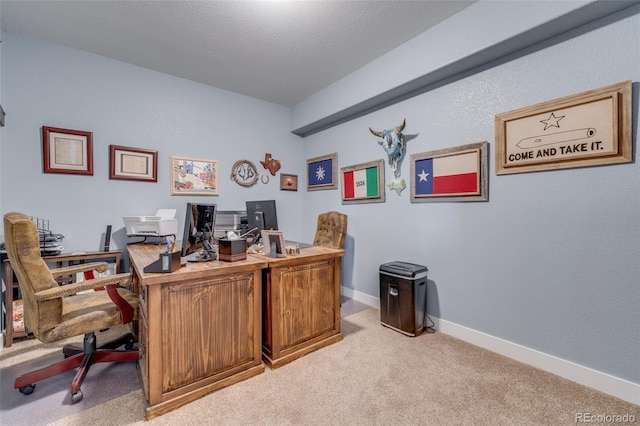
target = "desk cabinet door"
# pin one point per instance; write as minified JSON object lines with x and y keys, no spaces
{"x":307,"y":294}
{"x":208,"y":327}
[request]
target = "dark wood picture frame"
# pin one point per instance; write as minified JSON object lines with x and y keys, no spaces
{"x":137,"y":164}
{"x":67,"y":151}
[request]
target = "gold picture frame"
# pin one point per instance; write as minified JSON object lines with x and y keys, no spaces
{"x":67,"y":151}
{"x":586,"y":129}
{"x":193,"y":176}
{"x":128,"y":163}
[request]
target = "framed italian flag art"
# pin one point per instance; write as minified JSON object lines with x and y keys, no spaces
{"x":363,"y":183}
{"x":452,"y":174}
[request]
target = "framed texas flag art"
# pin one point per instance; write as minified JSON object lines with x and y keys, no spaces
{"x":452,"y":174}
{"x":363,"y":183}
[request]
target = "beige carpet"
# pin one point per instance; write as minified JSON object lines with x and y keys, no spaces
{"x":51,"y":399}
{"x":377,"y":376}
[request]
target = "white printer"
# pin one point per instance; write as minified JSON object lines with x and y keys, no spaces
{"x":164,"y":223}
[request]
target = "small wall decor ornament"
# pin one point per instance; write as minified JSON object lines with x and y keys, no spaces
{"x":394,"y":145}
{"x":271,"y":164}
{"x":244,"y":173}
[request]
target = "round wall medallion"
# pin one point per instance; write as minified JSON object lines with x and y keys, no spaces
{"x":244,"y":173}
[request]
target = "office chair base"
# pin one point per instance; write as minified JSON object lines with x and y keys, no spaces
{"x":82,"y":359}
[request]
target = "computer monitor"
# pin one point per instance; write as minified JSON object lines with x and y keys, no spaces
{"x":197,"y":236}
{"x":261,"y":215}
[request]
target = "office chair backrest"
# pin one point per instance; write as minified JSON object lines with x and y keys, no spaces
{"x":331,"y":230}
{"x":23,"y":248}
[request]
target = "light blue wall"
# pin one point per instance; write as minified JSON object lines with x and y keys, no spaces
{"x":52,"y":85}
{"x":551,"y":262}
{"x":2,"y":189}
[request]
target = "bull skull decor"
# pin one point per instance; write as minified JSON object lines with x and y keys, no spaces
{"x":393,"y":144}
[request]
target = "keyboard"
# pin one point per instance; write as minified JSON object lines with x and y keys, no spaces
{"x":298,"y":243}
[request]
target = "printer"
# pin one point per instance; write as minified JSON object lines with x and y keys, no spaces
{"x":164,"y":223}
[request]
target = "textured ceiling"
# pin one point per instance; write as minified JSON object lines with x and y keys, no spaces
{"x":278,"y":51}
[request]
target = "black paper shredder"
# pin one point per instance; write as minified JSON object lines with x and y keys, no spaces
{"x":403,"y":297}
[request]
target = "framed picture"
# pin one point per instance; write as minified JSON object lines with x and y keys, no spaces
{"x":275,"y":238}
{"x":322,"y":172}
{"x":363,"y":183}
{"x":288,"y":182}
{"x":133,"y":164}
{"x":586,"y":129}
{"x":1,"y":116}
{"x":67,"y":151}
{"x":452,"y":174}
{"x":193,"y":176}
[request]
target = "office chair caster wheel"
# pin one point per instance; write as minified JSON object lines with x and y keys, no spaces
{"x":76,"y":397}
{"x":27,"y":390}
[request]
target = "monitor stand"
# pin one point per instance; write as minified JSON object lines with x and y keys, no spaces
{"x":206,"y":255}
{"x":199,"y":256}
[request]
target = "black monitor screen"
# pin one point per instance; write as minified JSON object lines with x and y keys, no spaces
{"x":262,"y":215}
{"x":199,"y":223}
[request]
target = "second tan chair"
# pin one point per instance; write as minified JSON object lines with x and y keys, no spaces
{"x":331,"y":230}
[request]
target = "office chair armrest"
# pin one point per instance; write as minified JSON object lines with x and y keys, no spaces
{"x":82,"y":267}
{"x":122,"y":280}
{"x":126,"y":310}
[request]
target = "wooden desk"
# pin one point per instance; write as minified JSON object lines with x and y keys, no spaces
{"x":301,"y":304}
{"x":57,"y":261}
{"x":199,"y":327}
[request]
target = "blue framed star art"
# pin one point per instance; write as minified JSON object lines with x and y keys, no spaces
{"x":322,"y":172}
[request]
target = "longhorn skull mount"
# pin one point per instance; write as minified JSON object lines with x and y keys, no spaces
{"x":393,"y":144}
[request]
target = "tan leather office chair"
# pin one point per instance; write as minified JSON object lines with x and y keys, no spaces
{"x":331,"y":230}
{"x":54,"y":312}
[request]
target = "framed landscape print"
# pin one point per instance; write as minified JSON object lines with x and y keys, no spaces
{"x":133,"y":164}
{"x":67,"y":151}
{"x":363,"y":183}
{"x":588,"y":129}
{"x":322,"y":172}
{"x":193,"y":176}
{"x":453,"y":174}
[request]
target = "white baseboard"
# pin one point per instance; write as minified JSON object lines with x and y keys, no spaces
{"x":603,"y":382}
{"x":374,"y":302}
